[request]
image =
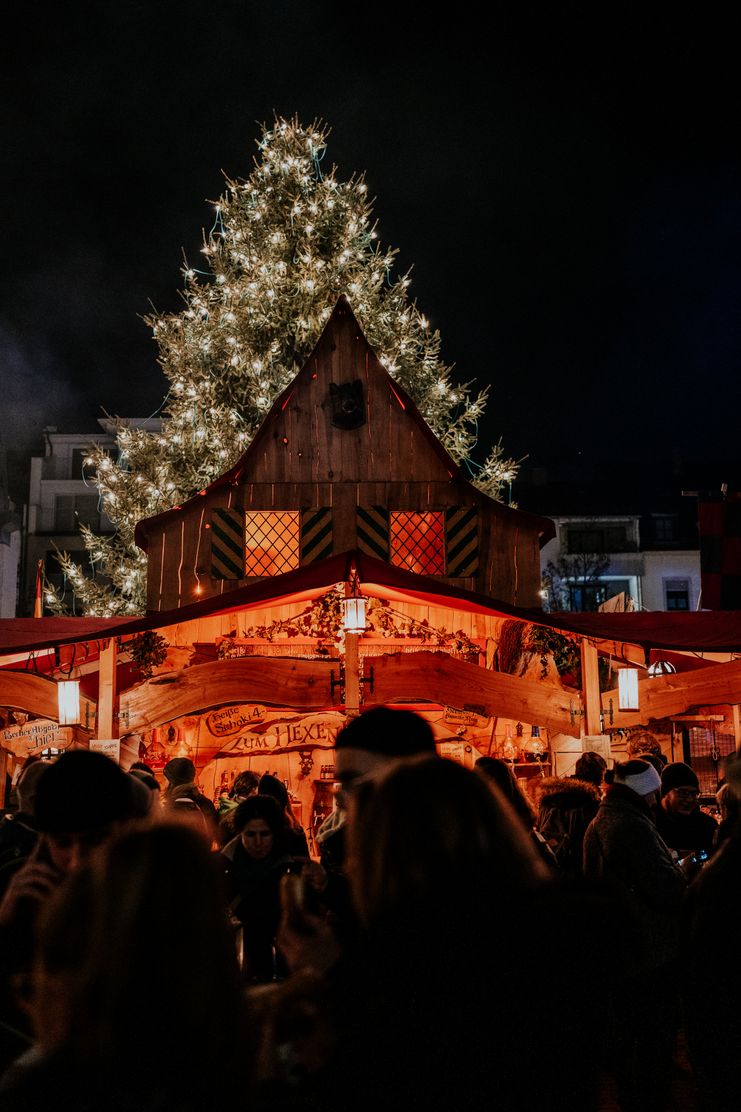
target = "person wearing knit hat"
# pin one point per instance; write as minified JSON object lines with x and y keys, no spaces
{"x":183,"y":797}
{"x":679,"y":820}
{"x":625,"y":854}
{"x":640,"y":776}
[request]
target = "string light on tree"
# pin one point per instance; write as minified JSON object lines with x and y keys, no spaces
{"x":284,"y":245}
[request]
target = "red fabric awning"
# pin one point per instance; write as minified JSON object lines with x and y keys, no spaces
{"x":708,"y":631}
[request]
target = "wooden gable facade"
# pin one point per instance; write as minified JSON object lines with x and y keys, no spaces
{"x":343,"y":461}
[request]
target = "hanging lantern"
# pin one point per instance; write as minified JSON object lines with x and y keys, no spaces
{"x":353,"y":614}
{"x":628,"y":689}
{"x":660,"y":668}
{"x":68,"y":701}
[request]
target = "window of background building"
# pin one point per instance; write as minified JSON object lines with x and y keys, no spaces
{"x":589,"y":596}
{"x":677,"y":594}
{"x":597,"y":538}
{"x":665,"y":528}
{"x":73,"y":510}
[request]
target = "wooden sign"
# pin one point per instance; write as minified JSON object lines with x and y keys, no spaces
{"x":109,"y":747}
{"x":231,"y":720}
{"x":31,"y":737}
{"x":312,"y":731}
{"x":460,"y":717}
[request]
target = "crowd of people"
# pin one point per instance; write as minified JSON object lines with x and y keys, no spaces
{"x":457,"y":946}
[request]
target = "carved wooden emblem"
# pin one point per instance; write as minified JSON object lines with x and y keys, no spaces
{"x":348,"y":406}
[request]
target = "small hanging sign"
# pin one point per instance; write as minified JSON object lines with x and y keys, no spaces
{"x":109,"y":747}
{"x":230,"y":720}
{"x":460,"y":717}
{"x":23,"y":740}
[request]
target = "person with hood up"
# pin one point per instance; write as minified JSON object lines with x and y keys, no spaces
{"x":566,"y":807}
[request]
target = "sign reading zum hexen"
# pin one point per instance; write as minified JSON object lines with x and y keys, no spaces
{"x":311,"y":731}
{"x":230,"y":720}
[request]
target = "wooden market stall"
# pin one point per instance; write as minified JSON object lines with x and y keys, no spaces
{"x":345,"y":493}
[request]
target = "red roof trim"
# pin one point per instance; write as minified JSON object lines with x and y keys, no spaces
{"x":709,"y":631}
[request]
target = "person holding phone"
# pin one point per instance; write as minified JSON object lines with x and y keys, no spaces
{"x":680,"y":822}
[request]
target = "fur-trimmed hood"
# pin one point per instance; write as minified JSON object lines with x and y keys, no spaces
{"x":563,"y":791}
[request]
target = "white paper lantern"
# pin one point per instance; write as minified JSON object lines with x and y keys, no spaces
{"x":68,"y":701}
{"x":354,"y":615}
{"x":628,"y":689}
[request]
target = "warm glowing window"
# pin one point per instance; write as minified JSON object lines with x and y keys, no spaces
{"x":418,"y":542}
{"x":271,"y":541}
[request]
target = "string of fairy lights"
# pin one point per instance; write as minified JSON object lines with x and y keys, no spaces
{"x":284,"y":245}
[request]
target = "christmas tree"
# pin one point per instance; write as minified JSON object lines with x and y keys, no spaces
{"x":284,"y":245}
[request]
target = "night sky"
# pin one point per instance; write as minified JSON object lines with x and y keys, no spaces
{"x":567,"y":191}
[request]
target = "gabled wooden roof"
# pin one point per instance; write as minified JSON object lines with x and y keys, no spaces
{"x":341,"y":320}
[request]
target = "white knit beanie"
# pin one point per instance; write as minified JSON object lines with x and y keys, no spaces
{"x":643,"y":782}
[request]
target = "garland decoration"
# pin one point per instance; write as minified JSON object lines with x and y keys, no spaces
{"x":323,"y":620}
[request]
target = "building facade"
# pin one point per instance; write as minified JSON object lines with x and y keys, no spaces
{"x":62,"y":496}
{"x":635,"y":561}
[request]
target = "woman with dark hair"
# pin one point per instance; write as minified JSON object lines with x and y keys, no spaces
{"x":272,"y":786}
{"x":254,"y":862}
{"x":114,"y":1031}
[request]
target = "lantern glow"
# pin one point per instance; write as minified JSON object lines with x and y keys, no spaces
{"x":353,"y":619}
{"x":628,"y":689}
{"x":68,"y":702}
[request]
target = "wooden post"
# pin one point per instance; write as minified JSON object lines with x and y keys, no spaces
{"x":736,"y":711}
{"x":352,"y":676}
{"x":590,"y":688}
{"x":3,"y":774}
{"x":107,"y":720}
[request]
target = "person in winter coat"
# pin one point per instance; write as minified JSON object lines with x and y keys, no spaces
{"x":679,"y":820}
{"x":623,"y":851}
{"x":183,"y":796}
{"x":565,"y":809}
{"x":254,"y":861}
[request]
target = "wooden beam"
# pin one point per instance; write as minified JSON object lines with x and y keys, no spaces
{"x":107,"y":724}
{"x":439,"y":678}
{"x":281,"y":681}
{"x":675,"y":694}
{"x":736,"y":711}
{"x":590,"y":688}
{"x":352,"y":676}
{"x":26,"y":691}
{"x":621,"y":650}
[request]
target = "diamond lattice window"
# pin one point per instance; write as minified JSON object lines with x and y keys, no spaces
{"x":418,"y":542}
{"x":271,"y":541}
